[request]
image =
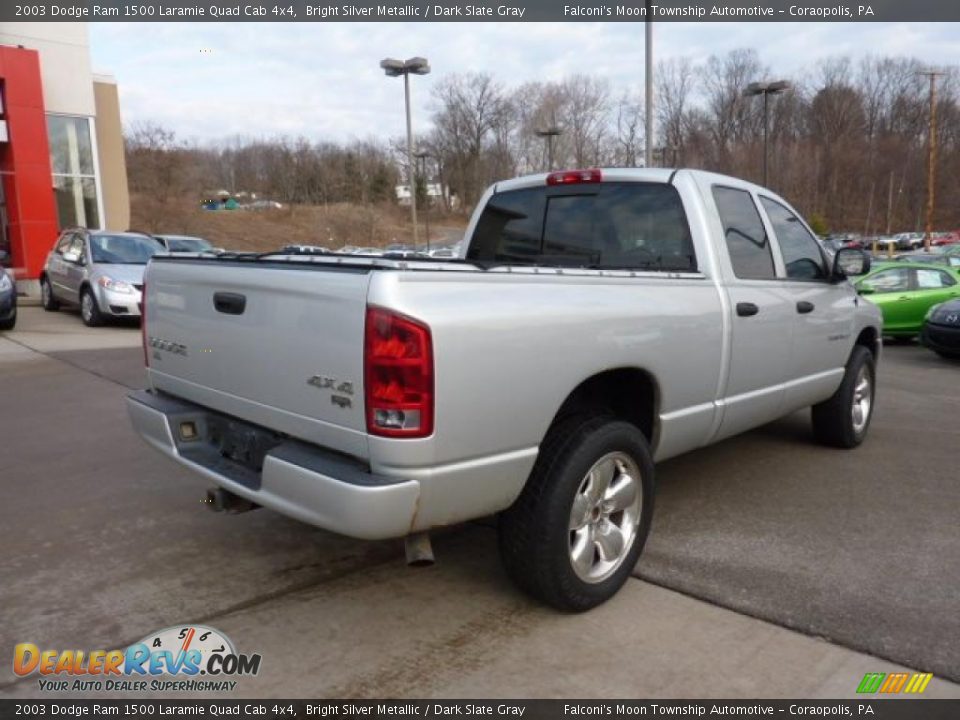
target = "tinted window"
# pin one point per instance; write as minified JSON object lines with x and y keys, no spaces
{"x":745,"y":235}
{"x":886,"y":281}
{"x":933,"y":279}
{"x":801,"y":254}
{"x":608,"y":225}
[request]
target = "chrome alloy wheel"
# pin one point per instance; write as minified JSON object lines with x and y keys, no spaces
{"x":862,"y":400}
{"x":86,"y":306}
{"x":605,"y":517}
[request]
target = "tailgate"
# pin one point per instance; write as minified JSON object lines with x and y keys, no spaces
{"x":276,"y":344}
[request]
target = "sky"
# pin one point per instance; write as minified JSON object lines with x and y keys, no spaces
{"x":214,"y":81}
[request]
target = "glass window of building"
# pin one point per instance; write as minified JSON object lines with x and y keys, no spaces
{"x":74,"y":180}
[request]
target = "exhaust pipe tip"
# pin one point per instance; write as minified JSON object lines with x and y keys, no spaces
{"x":419,"y":550}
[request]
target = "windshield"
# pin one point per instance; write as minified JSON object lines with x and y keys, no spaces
{"x":123,"y":249}
{"x":187,"y":244}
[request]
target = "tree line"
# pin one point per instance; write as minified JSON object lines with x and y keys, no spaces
{"x":848,"y":140}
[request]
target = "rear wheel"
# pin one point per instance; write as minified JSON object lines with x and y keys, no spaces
{"x":49,"y":302}
{"x":843,"y":420}
{"x":89,"y":310}
{"x":573,"y":536}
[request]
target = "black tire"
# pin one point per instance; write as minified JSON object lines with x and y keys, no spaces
{"x":948,"y":355}
{"x":535,"y":534}
{"x":90,"y":314}
{"x":47,"y":299}
{"x":834,"y":420}
{"x":10,"y":322}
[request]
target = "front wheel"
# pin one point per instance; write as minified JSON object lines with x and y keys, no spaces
{"x":89,"y":310}
{"x":11,"y":322}
{"x":573,"y":536}
{"x":843,"y":420}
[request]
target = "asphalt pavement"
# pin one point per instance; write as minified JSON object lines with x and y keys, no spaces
{"x":106,"y":541}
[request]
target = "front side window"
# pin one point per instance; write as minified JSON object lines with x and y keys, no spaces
{"x":888,"y":281}
{"x":74,"y":180}
{"x":746,"y":238}
{"x":614,"y":225}
{"x":801,"y":254}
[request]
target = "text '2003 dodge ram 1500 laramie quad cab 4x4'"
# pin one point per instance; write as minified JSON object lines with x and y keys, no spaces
{"x":600,"y":320}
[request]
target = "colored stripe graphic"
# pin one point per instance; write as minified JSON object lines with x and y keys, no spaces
{"x":894,"y":683}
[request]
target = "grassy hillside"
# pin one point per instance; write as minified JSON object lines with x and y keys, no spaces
{"x":330,"y":226}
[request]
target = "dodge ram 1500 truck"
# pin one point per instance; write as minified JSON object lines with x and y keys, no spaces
{"x":597,"y":321}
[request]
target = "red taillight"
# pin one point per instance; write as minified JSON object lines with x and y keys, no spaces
{"x":143,"y":323}
{"x":574,"y":177}
{"x":398,"y":375}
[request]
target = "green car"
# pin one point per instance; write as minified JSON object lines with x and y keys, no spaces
{"x":905,"y":291}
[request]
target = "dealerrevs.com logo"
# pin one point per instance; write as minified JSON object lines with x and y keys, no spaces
{"x":183,"y":658}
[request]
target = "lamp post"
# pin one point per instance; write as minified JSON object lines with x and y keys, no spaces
{"x":422,"y":157}
{"x":648,"y":84}
{"x":549,"y":134}
{"x":396,"y":68}
{"x":766,"y":89}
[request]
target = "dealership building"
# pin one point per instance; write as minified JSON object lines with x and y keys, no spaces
{"x":61,"y":143}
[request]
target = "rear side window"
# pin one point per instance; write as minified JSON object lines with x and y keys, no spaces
{"x":746,"y":238}
{"x":933,"y":279}
{"x":638,"y":226}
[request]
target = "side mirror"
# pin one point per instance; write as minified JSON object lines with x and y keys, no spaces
{"x":849,"y":262}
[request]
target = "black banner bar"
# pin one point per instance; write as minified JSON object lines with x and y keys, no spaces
{"x":868,"y":707}
{"x":480,"y":11}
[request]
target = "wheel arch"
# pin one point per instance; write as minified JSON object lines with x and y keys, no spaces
{"x":869,"y":338}
{"x":626,"y":393}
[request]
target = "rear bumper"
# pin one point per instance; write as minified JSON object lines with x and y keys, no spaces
{"x":941,"y":338}
{"x":303,"y":481}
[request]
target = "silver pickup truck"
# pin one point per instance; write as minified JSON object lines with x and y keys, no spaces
{"x":597,"y":322}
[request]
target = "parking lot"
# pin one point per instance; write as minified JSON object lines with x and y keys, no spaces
{"x":775,"y":568}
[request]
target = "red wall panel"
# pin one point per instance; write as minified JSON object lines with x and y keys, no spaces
{"x":31,"y":211}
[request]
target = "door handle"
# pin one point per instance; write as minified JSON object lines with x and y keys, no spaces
{"x":745,"y":309}
{"x":902,"y":298}
{"x":230,"y":303}
{"x":804,"y":307}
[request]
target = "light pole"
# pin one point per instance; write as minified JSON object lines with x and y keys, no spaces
{"x":549,"y":134}
{"x":395,"y":68}
{"x":648,"y":83}
{"x":422,"y":157}
{"x":766,"y":89}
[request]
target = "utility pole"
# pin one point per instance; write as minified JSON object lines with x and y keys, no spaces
{"x":648,"y":82}
{"x":931,"y":156}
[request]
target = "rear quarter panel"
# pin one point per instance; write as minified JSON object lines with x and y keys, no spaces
{"x":509,"y":348}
